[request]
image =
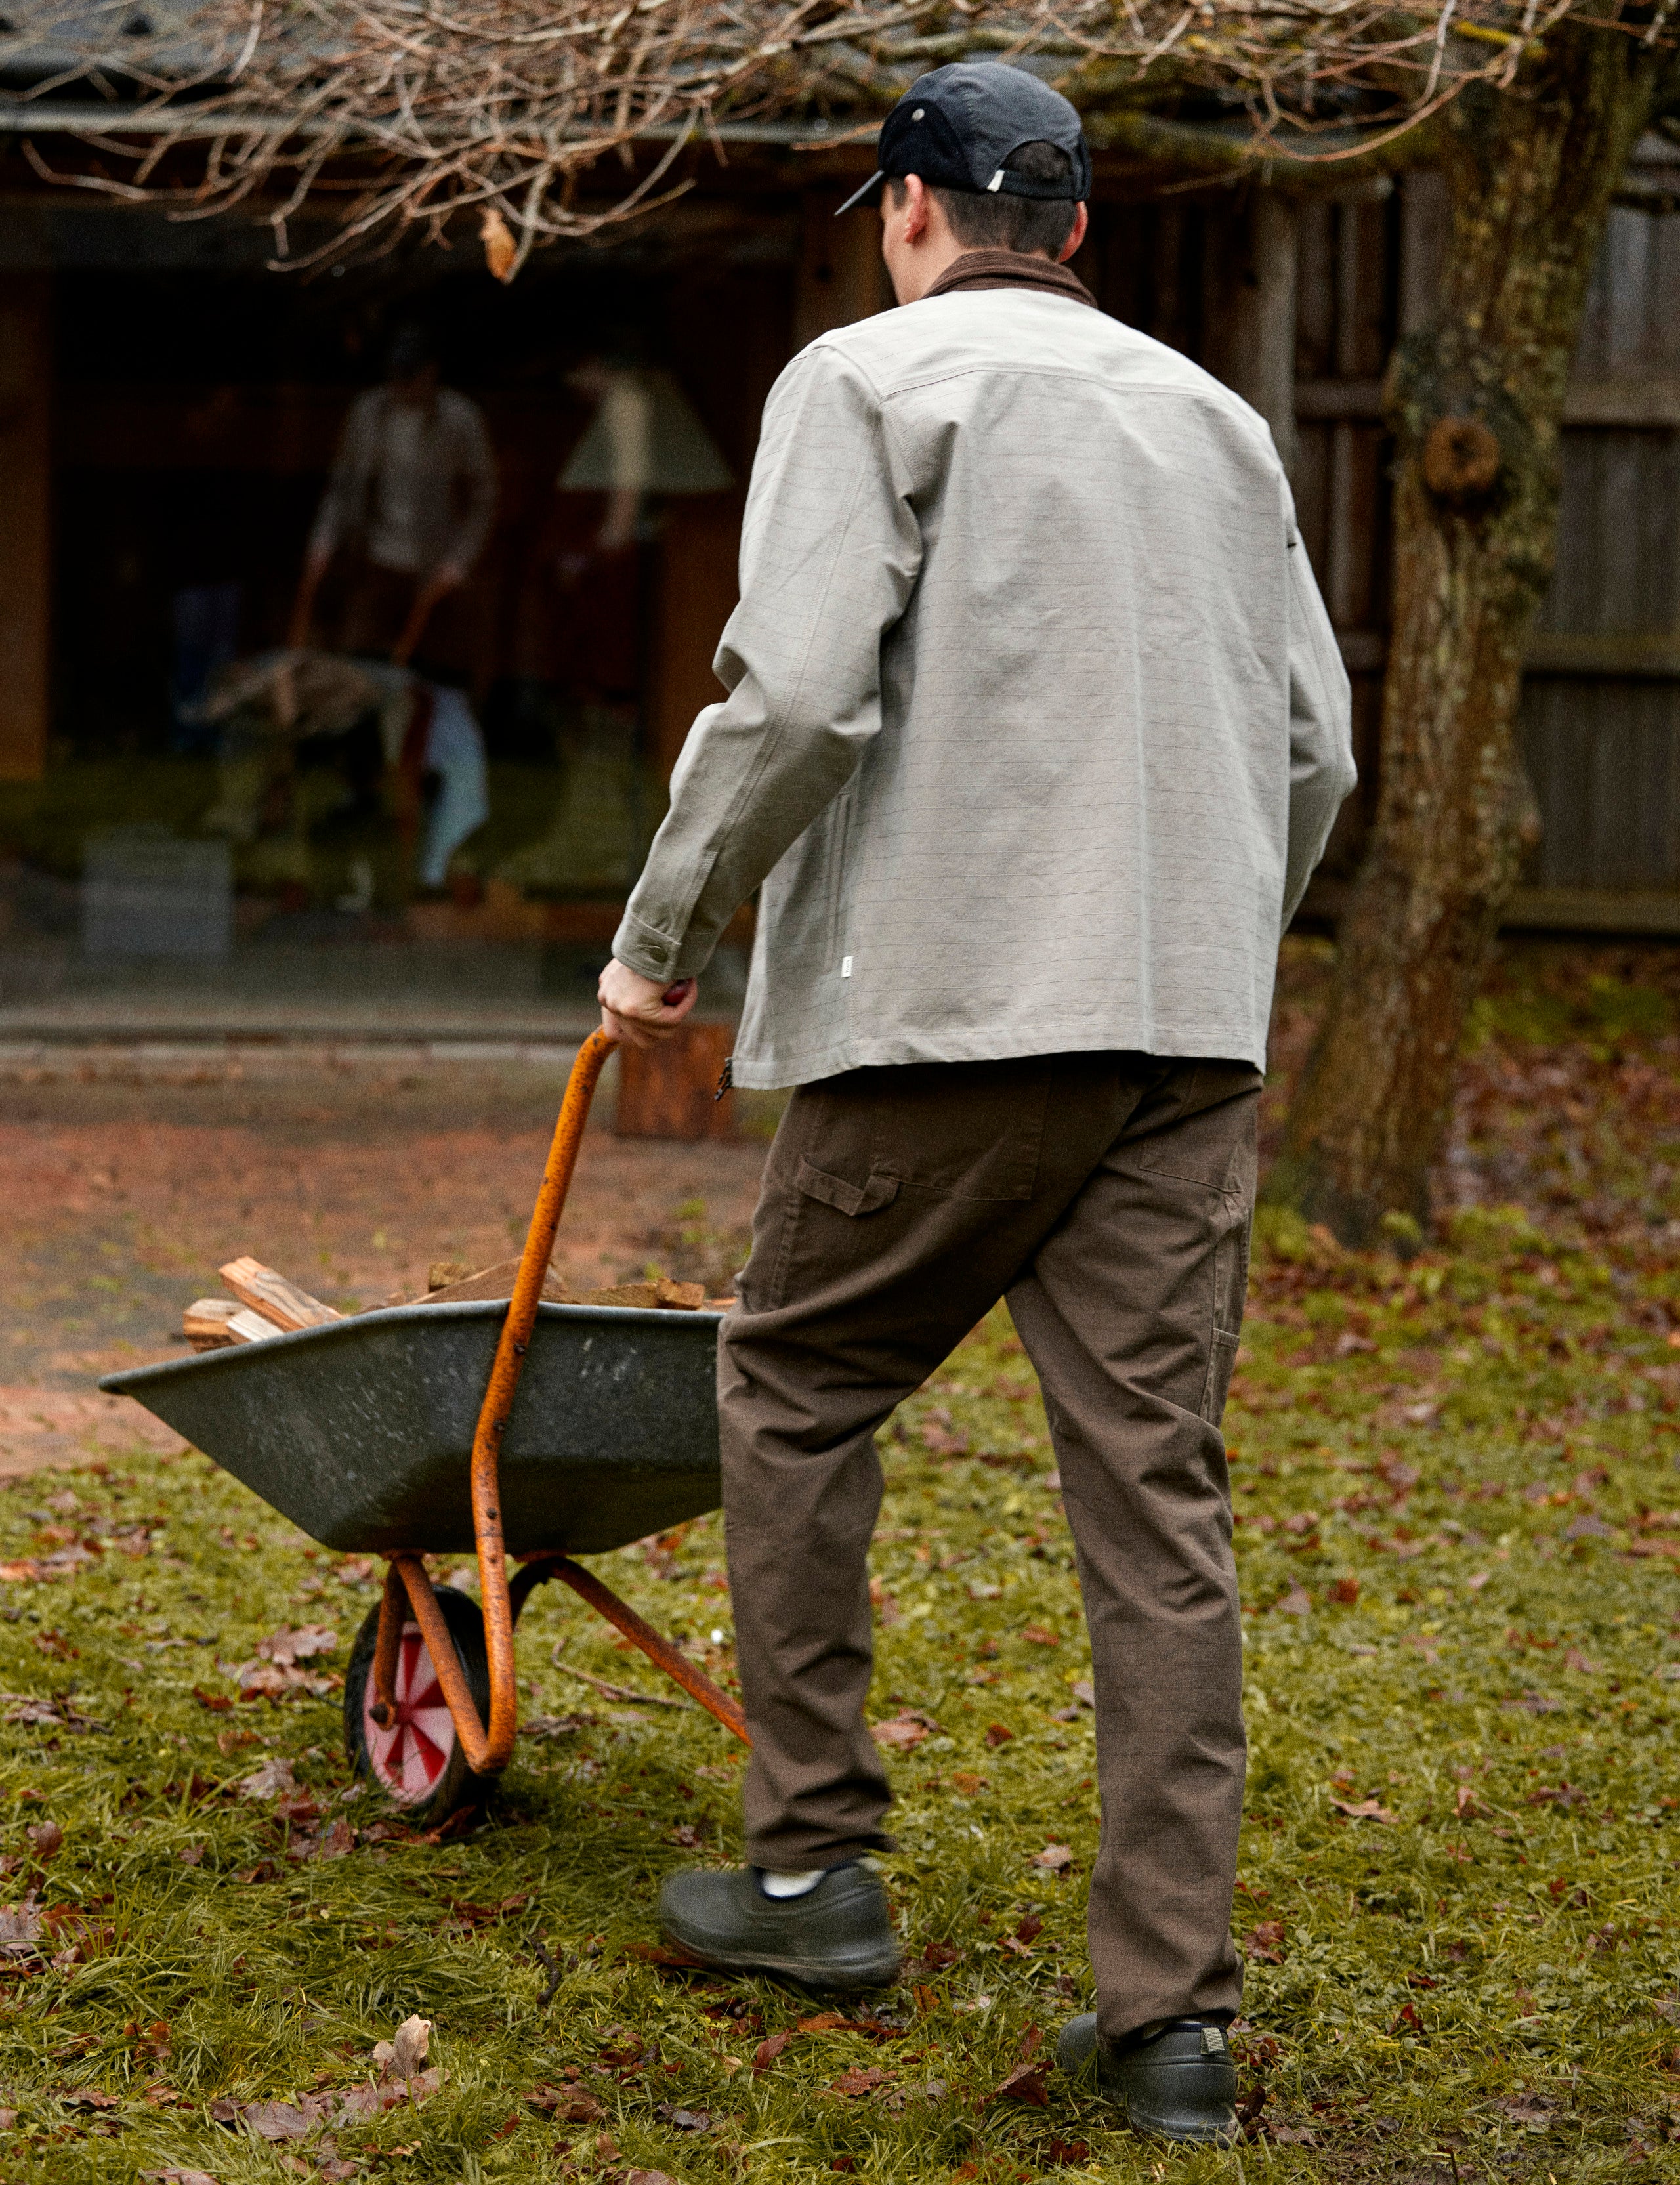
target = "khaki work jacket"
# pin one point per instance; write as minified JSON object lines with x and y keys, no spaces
{"x":1036,"y":724}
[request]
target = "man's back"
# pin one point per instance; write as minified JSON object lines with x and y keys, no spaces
{"x":1023,"y":588}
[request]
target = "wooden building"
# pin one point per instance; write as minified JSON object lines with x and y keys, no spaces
{"x":170,"y":406}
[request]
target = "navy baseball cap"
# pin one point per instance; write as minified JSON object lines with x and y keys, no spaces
{"x":956,"y":126}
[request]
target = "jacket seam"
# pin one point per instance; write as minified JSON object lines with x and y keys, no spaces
{"x":774,"y":731}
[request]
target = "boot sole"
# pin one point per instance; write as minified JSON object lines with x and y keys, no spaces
{"x":825,"y":1976}
{"x":1218,"y":2136}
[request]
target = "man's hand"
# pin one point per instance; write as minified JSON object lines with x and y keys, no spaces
{"x":640,"y":1012}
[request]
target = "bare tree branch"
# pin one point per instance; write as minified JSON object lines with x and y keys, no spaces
{"x":422,"y":112}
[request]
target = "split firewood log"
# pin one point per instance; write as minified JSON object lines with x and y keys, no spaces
{"x":218,"y":1323}
{"x":661,"y":1296}
{"x":496,"y":1282}
{"x":270,"y":1294}
{"x":249,"y":1326}
{"x":204,"y":1323}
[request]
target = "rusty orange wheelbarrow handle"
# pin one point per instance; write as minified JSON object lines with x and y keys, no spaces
{"x":489,"y":1747}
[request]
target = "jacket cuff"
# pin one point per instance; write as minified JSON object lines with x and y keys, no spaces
{"x":655,"y":955}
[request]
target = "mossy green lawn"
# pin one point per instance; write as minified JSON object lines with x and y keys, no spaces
{"x":1456,"y":1487}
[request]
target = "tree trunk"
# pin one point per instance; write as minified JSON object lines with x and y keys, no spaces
{"x":1474,"y":399}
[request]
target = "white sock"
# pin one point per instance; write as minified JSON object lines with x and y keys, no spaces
{"x":789,"y":1884}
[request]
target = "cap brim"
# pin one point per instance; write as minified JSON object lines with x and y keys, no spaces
{"x":870,"y":191}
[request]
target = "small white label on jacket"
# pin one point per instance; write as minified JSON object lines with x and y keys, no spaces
{"x":845,"y":967}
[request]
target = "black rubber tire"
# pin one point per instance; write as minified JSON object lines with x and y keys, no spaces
{"x":457,"y":1786}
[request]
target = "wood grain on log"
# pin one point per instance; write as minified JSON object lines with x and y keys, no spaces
{"x":272,"y":1296}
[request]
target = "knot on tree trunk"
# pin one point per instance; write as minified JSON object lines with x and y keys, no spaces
{"x":1461,"y":460}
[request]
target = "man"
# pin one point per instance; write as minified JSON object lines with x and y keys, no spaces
{"x":409,"y":504}
{"x":1036,"y":728}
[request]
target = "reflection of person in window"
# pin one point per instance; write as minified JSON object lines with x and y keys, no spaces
{"x":624,"y":419}
{"x":409,"y":504}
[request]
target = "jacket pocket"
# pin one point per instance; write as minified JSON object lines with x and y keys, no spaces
{"x":853,"y":1199}
{"x":838,"y":828}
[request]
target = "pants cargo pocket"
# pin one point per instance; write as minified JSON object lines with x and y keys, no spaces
{"x":815,"y":1197}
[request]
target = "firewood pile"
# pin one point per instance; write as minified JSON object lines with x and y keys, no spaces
{"x":264,"y":1302}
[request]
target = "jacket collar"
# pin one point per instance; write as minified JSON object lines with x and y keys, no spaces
{"x":1011,"y":269}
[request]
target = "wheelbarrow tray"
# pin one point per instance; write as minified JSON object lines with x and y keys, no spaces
{"x":361,"y":1431}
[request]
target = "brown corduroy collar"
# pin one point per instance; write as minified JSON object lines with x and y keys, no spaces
{"x":1011,"y":269}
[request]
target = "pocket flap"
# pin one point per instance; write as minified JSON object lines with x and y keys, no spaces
{"x":834,"y":1191}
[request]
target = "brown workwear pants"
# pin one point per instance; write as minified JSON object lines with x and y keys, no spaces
{"x":1109,"y":1198}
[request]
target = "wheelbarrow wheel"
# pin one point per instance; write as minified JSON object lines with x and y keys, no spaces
{"x":418,"y":1761}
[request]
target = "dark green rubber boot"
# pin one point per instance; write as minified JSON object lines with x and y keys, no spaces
{"x":837,"y":1938}
{"x":1181,"y":2083}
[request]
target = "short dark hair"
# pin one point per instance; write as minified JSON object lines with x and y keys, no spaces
{"x":996,"y":220}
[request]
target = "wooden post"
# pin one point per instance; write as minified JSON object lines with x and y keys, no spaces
{"x":1265,"y":373}
{"x":670,"y":1091}
{"x":25,"y":535}
{"x":840,"y":274}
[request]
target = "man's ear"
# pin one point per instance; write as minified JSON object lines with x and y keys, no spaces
{"x":912,"y":208}
{"x":1076,"y":235}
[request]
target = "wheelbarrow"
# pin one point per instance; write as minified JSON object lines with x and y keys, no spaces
{"x":529,"y":1431}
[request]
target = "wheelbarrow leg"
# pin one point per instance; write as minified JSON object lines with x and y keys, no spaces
{"x":408,"y":1574}
{"x":392,"y":1612}
{"x":638,"y":1630}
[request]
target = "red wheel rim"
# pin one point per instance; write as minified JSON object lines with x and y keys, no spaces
{"x":409,"y":1758}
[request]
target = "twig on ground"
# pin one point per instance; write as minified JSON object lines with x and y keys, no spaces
{"x":613,"y":1691}
{"x":551,"y":1966}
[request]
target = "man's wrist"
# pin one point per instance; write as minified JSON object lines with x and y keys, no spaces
{"x":639,"y":948}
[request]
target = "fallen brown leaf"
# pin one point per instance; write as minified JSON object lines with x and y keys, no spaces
{"x":1028,"y":2083}
{"x":903,"y":1734}
{"x":404,"y":2056}
{"x":680,"y":2120}
{"x":286,"y":1647}
{"x":279,"y":2120}
{"x":863,"y":2080}
{"x":1368,"y":1809}
{"x":273,"y":1779}
{"x":1263,"y":1945}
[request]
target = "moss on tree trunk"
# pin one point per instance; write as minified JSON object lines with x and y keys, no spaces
{"x":1475,"y":401}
